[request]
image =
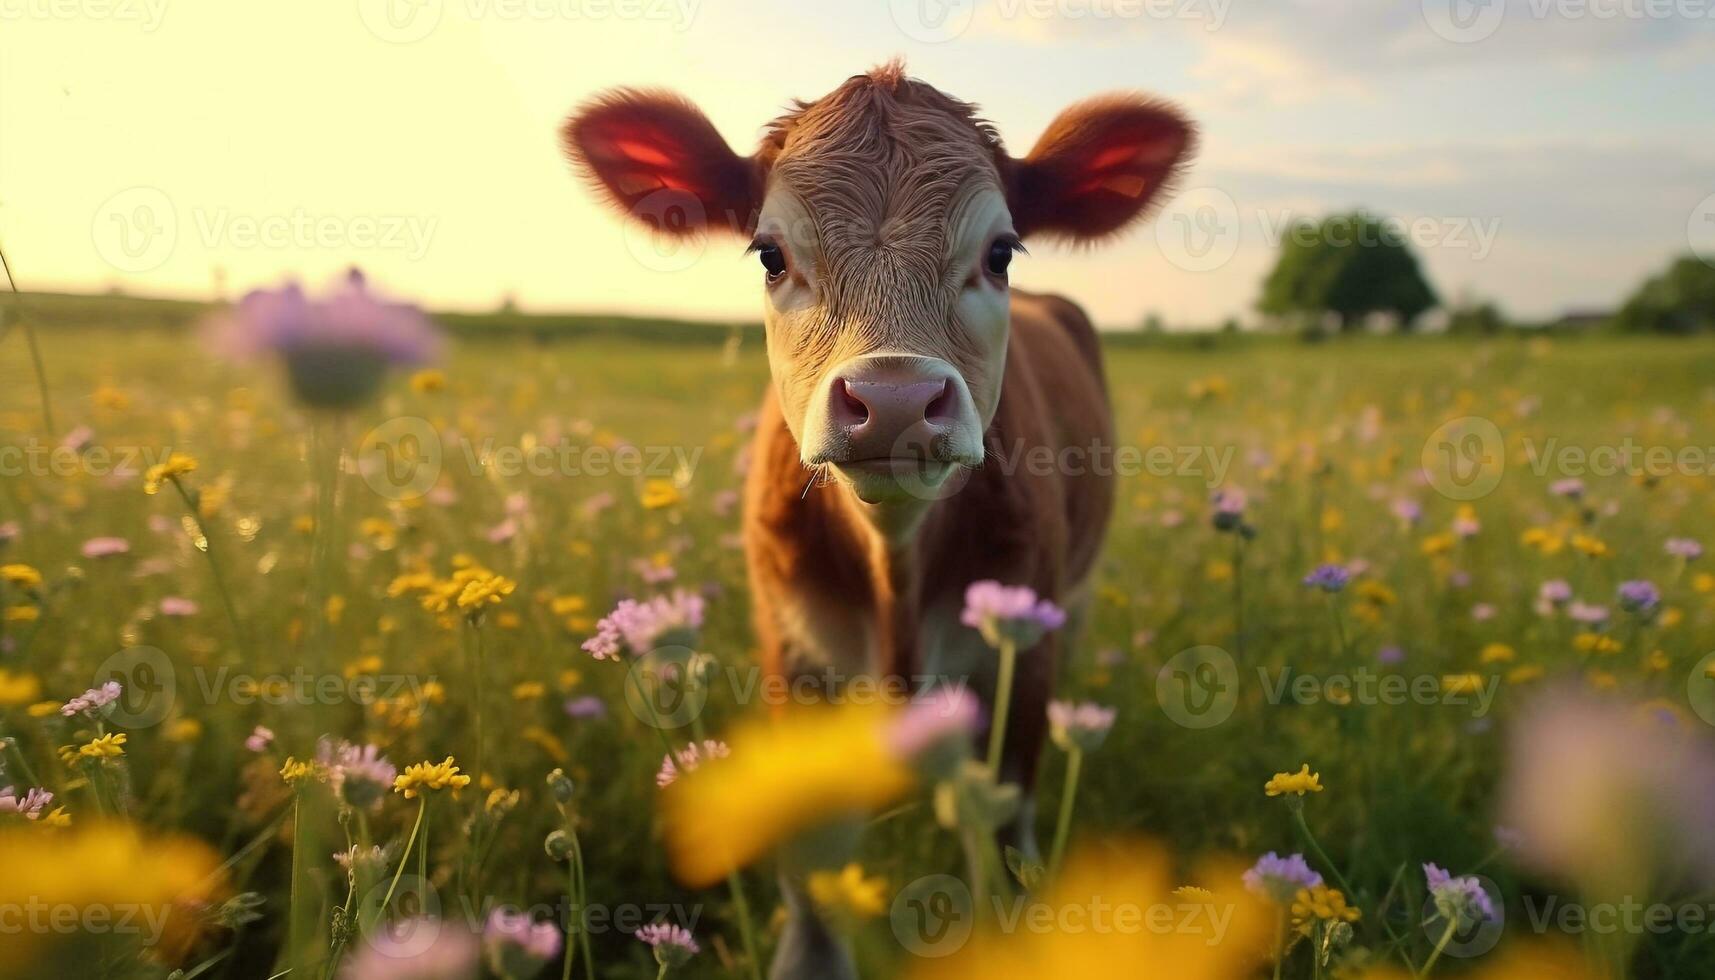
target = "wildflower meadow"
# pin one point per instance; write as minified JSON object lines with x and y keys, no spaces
{"x":340,"y":644}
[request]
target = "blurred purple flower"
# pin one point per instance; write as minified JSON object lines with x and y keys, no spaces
{"x":1686,"y":549}
{"x":639,"y":627}
{"x":1584,"y":612}
{"x":1570,"y":488}
{"x":1407,"y":510}
{"x":1329,"y":578}
{"x":178,"y":606}
{"x":259,"y":739}
{"x":415,"y":949}
{"x":335,"y":347}
{"x":1640,"y":596}
{"x":940,"y":714}
{"x":1279,"y":878}
{"x":105,"y":547}
{"x":586,"y":708}
{"x":1460,"y":899}
{"x":518,"y":946}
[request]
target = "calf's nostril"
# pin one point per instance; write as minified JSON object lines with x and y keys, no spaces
{"x":856,"y":409}
{"x":941,"y":407}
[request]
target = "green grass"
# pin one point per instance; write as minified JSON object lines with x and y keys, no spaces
{"x":1324,"y":437}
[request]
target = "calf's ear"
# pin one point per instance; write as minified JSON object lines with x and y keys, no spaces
{"x":655,"y":157}
{"x":1100,"y":165}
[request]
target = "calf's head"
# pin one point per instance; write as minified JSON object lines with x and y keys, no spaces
{"x":885,"y":216}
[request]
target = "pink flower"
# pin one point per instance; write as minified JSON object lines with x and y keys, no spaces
{"x":941,"y":714}
{"x":92,"y":700}
{"x":415,"y":949}
{"x":688,"y":759}
{"x":1009,"y":613}
{"x":178,"y":606}
{"x":105,"y":547}
{"x":639,"y":627}
{"x":259,"y":739}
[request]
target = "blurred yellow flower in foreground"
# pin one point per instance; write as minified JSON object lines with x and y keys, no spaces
{"x":783,"y":776}
{"x":1300,"y":782}
{"x":175,"y":466}
{"x":1113,"y":913}
{"x":92,"y":877}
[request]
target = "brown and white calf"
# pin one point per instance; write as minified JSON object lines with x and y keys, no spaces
{"x":916,"y":396}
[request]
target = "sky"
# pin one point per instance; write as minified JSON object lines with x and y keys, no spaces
{"x":1544,"y":154}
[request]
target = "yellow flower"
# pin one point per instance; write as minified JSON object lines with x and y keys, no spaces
{"x":1375,"y":593}
{"x":529,"y":691}
{"x":567,"y":605}
{"x":18,"y":689}
{"x":1704,"y":583}
{"x":1438,"y":544}
{"x":783,"y":776}
{"x":184,"y":730}
{"x":1220,"y":939}
{"x":110,"y":398}
{"x":847,"y":892}
{"x":1497,"y":653}
{"x":109,"y":746}
{"x":58,"y":818}
{"x":22,"y":614}
{"x":1545,"y":540}
{"x":1657,"y":662}
{"x":1320,"y":903}
{"x":1595,"y":643}
{"x":43,"y":709}
{"x":175,"y":466}
{"x":1524,"y":674}
{"x":295,"y":772}
{"x":486,"y":590}
{"x":1300,"y":782}
{"x":545,"y":740}
{"x":430,"y":775}
{"x":428,"y":381}
{"x":411,"y":582}
{"x":100,"y":869}
{"x":22,"y":576}
{"x":660,"y":493}
{"x":1191,"y":893}
{"x":1590,"y":546}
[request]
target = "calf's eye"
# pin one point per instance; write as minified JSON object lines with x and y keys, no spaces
{"x":773,"y":260}
{"x":999,"y":258}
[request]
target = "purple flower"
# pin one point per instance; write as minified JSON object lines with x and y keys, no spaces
{"x":105,"y":547}
{"x":357,"y":774}
{"x":673,"y":944}
{"x":259,"y":739}
{"x":1598,"y":790}
{"x":1461,"y":899}
{"x":516,"y":945}
{"x":30,"y":805}
{"x":1570,"y":488}
{"x":587,"y":707}
{"x":1279,"y":878}
{"x":1390,"y":655}
{"x":415,"y":949}
{"x":1229,"y":509}
{"x":1009,"y":613}
{"x":1685,"y":549}
{"x":336,"y":346}
{"x":1329,"y":578}
{"x":639,"y":627}
{"x":93,"y":699}
{"x":1407,"y":510}
{"x":1555,"y":592}
{"x":1082,"y":726}
{"x":1640,"y":597}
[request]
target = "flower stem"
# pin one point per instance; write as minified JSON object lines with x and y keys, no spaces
{"x":583,"y":896}
{"x":422,"y":805}
{"x":1002,"y":702}
{"x":1063,"y":826}
{"x":1435,"y":954}
{"x":208,"y":551}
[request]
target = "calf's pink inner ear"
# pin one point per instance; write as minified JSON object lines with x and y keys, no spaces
{"x":1101,"y":165}
{"x":651,"y":152}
